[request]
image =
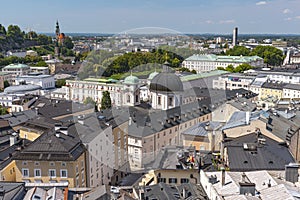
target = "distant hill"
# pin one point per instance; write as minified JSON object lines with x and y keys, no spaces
{"x":14,"y":38}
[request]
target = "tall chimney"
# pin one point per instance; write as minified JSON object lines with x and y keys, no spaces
{"x":243,"y":177}
{"x":222,"y":176}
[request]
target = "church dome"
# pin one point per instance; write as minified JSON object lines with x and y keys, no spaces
{"x":152,"y":75}
{"x":131,"y":80}
{"x":166,"y":82}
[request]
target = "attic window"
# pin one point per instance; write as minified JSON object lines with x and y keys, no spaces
{"x":245,"y":162}
{"x":271,"y":162}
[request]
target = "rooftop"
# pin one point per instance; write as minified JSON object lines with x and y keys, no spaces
{"x":16,"y":66}
{"x":21,"y":88}
{"x":214,"y":58}
{"x":251,"y":152}
{"x":164,"y":191}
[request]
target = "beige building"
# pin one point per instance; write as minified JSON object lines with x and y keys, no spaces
{"x":52,"y":160}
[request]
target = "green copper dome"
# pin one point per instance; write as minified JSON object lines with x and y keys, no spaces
{"x":131,"y":80}
{"x":152,"y":75}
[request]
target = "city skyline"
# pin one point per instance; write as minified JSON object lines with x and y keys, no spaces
{"x":259,"y":17}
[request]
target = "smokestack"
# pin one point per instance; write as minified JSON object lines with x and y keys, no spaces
{"x":269,"y":184}
{"x":222,"y":176}
{"x":243,"y":177}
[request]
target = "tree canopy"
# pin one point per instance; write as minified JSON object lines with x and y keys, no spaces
{"x":106,"y":100}
{"x":271,"y":55}
{"x":239,"y":69}
{"x":106,"y":63}
{"x":60,"y":82}
{"x":238,"y":50}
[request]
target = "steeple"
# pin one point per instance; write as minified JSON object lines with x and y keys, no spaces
{"x":57,"y":31}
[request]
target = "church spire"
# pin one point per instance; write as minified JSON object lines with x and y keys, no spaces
{"x":57,"y":31}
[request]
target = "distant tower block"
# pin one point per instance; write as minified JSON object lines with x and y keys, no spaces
{"x":235,"y":36}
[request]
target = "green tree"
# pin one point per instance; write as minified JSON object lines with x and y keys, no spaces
{"x":106,"y":100}
{"x":3,"y":111}
{"x":271,"y":55}
{"x":242,"y":67}
{"x":68,"y":43}
{"x":60,"y":82}
{"x":2,"y":30}
{"x":175,"y":62}
{"x":41,"y":64}
{"x":194,"y":71}
{"x":238,"y":50}
{"x":43,"y":39}
{"x":14,"y":32}
{"x":6,"y":84}
{"x":230,"y":68}
{"x":89,"y":100}
{"x":31,"y":35}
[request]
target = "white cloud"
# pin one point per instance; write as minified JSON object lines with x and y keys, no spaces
{"x":297,"y":17}
{"x":209,"y":22}
{"x":286,"y":11}
{"x":288,"y":19}
{"x":261,"y":3}
{"x":229,"y":21}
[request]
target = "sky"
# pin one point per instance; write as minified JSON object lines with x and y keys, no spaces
{"x":185,"y":16}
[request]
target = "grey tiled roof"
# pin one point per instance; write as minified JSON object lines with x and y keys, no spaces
{"x":200,"y":130}
{"x":269,"y":156}
{"x":18,"y":118}
{"x":164,"y":191}
{"x":49,"y":147}
{"x":13,"y":191}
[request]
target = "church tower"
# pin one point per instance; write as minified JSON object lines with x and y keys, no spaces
{"x":57,"y":32}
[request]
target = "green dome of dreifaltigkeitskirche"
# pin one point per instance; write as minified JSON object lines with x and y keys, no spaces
{"x":131,"y":80}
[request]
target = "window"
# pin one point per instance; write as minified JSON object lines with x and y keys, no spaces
{"x":63,"y":164}
{"x":158,"y":100}
{"x":128,"y":98}
{"x":172,"y":180}
{"x":82,"y":165}
{"x":36,"y":163}
{"x":37,"y":172}
{"x":161,"y":180}
{"x":25,"y":172}
{"x":170,"y":101}
{"x":52,"y":164}
{"x":184,"y":180}
{"x":82,"y":177}
{"x":52,"y":173}
{"x":64,"y":173}
{"x":24,"y":163}
{"x":77,"y":181}
{"x":76,"y":169}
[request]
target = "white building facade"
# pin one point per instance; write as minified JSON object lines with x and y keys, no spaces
{"x":45,"y":81}
{"x":208,"y":62}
